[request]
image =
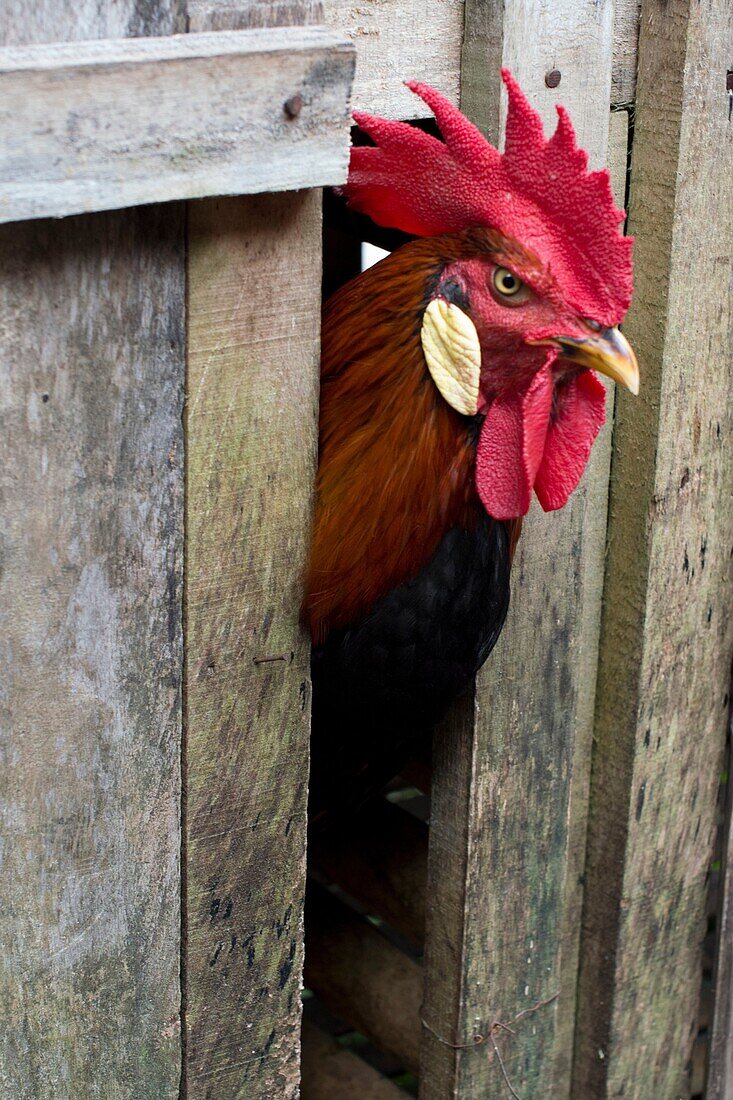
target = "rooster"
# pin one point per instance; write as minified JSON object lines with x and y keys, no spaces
{"x":457,"y":378}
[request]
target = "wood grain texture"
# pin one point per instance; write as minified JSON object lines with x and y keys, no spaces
{"x":719,"y":1069}
{"x":91,"y":484}
{"x":720,"y":1062}
{"x":626,"y":16}
{"x":104,"y":124}
{"x":74,"y":20}
{"x":332,"y":1072}
{"x":512,"y":768}
{"x":240,"y":15}
{"x":395,"y":41}
{"x":666,"y":641}
{"x":362,"y":978}
{"x":254,"y":268}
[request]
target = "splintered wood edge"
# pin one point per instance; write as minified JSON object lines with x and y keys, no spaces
{"x":105,"y":124}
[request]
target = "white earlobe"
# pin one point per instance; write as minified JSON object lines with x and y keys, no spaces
{"x":453,"y":354}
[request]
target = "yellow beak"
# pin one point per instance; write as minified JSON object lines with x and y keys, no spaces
{"x":607,"y":351}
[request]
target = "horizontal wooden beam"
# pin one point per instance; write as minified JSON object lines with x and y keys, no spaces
{"x":363,"y":978}
{"x":330,"y":1071}
{"x":107,"y":124}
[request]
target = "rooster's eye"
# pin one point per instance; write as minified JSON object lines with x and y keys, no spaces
{"x":506,"y":282}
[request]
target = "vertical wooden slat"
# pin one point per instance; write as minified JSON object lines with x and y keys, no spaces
{"x":666,"y":639}
{"x":254,"y":270}
{"x":511,"y":769}
{"x":720,"y":1061}
{"x":625,"y":51}
{"x":91,"y":359}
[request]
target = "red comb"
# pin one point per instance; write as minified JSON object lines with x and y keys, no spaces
{"x":538,"y":191}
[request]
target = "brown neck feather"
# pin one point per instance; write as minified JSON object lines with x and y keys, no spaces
{"x":396,"y":462}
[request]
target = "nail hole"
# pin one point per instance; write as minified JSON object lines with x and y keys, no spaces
{"x":294,"y":105}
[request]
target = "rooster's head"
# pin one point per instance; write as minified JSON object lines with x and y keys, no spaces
{"x":515,"y":327}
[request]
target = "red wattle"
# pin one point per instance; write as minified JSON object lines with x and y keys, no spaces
{"x":580,"y":410}
{"x":511,"y":446}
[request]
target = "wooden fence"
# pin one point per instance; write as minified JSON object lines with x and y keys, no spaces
{"x":544,"y":936}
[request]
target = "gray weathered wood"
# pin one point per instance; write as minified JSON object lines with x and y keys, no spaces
{"x":91,"y":480}
{"x":241,"y":15}
{"x":74,"y":20}
{"x":720,"y":1065}
{"x":254,"y":269}
{"x":107,"y":124}
{"x":625,"y":51}
{"x":512,"y":769}
{"x":395,"y":41}
{"x":667,"y":628}
{"x":91,"y":357}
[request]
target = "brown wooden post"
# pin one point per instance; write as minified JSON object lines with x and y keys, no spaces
{"x":511,"y":769}
{"x":667,"y":629}
{"x":92,"y":345}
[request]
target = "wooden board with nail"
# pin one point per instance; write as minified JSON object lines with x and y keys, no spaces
{"x":100,"y":125}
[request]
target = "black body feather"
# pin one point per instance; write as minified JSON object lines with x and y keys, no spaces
{"x":385,"y":681}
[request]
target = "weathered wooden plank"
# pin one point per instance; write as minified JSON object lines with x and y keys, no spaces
{"x":90,"y":480}
{"x":254,"y":268}
{"x":482,"y":51}
{"x":105,"y":124}
{"x":395,"y":41}
{"x":72,"y":20}
{"x":362,"y":977}
{"x":332,"y":1072}
{"x":619,"y":155}
{"x":238,"y":15}
{"x":511,"y":770}
{"x":666,"y":640}
{"x":720,"y":1065}
{"x":626,"y":15}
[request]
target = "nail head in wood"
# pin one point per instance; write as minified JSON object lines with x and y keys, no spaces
{"x":294,"y":105}
{"x":287,"y":657}
{"x":553,"y":78}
